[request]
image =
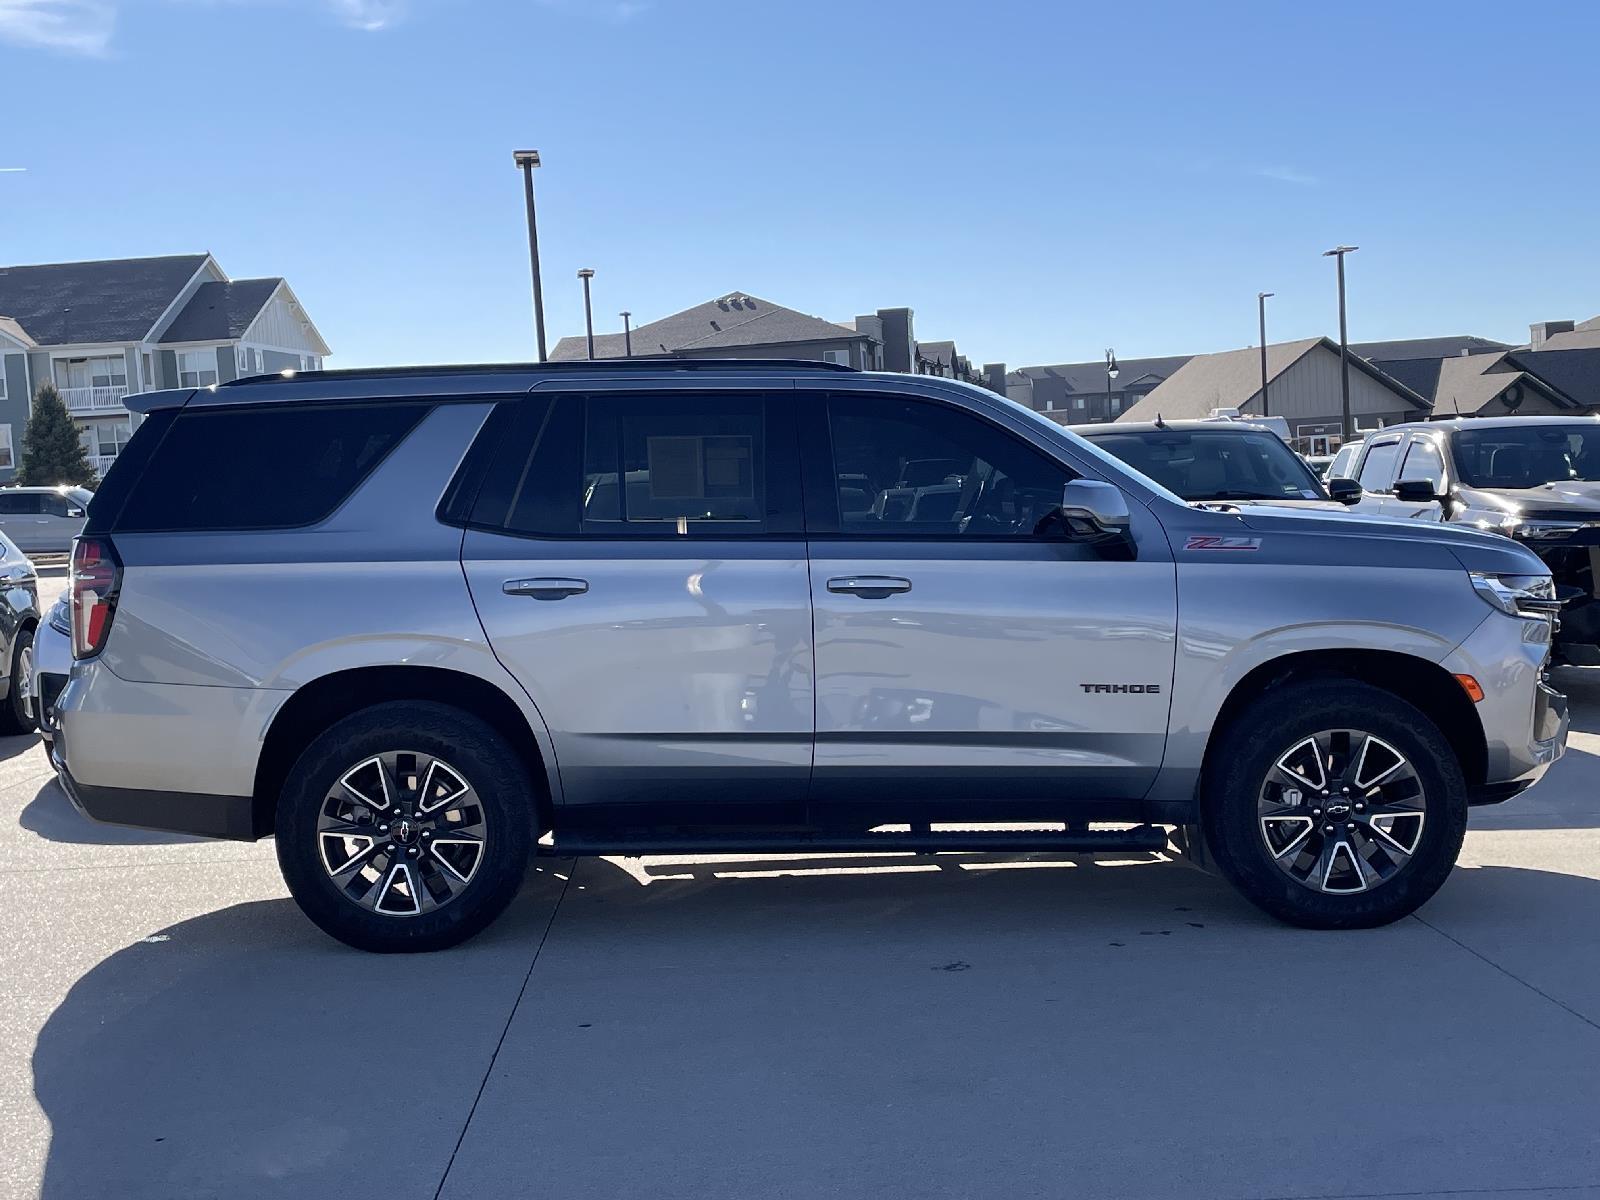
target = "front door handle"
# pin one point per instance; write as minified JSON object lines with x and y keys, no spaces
{"x":869,"y":587}
{"x":545,"y":589}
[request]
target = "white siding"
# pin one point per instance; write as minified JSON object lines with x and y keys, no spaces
{"x":283,"y":326}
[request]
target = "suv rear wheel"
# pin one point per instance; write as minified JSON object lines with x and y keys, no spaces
{"x":1334,"y":805}
{"x":407,"y":826}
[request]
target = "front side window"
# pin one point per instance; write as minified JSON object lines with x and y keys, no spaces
{"x":1424,"y":462}
{"x":197,"y":368}
{"x":1527,"y":456}
{"x":905,"y":468}
{"x":1377,"y":469}
{"x":1221,"y":464}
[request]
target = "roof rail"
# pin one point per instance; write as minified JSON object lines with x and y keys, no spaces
{"x":574,"y":366}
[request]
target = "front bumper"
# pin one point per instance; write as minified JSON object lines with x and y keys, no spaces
{"x":1524,"y":719}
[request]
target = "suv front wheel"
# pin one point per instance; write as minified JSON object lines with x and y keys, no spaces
{"x":404,"y":827}
{"x":1334,"y":805}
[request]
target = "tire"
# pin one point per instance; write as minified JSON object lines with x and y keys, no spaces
{"x":414,"y":883}
{"x":16,"y":712}
{"x":1253,"y":809}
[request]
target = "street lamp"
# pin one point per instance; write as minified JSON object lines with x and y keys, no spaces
{"x":1261,"y":304}
{"x":1112,"y":371}
{"x":586,"y":274}
{"x":527,"y":160}
{"x":1338,"y":252}
{"x":627,"y":333}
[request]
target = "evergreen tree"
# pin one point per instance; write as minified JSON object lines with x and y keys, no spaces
{"x":51,"y":450}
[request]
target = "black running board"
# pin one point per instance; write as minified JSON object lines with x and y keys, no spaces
{"x":1140,"y":839}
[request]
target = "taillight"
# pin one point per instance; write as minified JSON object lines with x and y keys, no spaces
{"x":96,"y":577}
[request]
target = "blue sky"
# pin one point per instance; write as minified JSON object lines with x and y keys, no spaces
{"x":1038,"y":181}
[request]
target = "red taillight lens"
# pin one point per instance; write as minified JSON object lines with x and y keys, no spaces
{"x":96,"y":576}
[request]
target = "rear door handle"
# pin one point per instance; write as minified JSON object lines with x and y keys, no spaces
{"x":869,"y":587}
{"x":545,"y":589}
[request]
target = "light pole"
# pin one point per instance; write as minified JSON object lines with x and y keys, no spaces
{"x":528,"y":160}
{"x":627,"y":333}
{"x":586,"y":274}
{"x":1338,"y":252}
{"x":1261,"y":304}
{"x":1112,"y":371}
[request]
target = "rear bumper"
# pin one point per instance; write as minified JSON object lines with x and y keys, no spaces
{"x":230,"y":817}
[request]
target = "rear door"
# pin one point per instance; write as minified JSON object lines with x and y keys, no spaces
{"x":638,"y":562}
{"x":962,"y":652}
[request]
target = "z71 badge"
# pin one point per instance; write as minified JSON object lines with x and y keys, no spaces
{"x":1213,"y":542}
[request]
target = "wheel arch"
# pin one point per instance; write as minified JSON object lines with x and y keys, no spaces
{"x":1424,"y":684}
{"x":339,"y":694}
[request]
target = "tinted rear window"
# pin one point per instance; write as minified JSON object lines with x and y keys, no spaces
{"x":271,"y":467}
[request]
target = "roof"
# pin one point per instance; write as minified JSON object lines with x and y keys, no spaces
{"x":11,"y":328}
{"x":1466,"y":384}
{"x":110,"y":300}
{"x":1585,"y":336}
{"x":1482,"y":423}
{"x":1433,"y":347}
{"x":218,"y":311}
{"x":1090,"y":377}
{"x":735,"y":320}
{"x":1575,"y":372}
{"x":1230,"y":379}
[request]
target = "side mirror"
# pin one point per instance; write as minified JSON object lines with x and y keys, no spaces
{"x":1345,"y":491}
{"x":1416,"y":491}
{"x":75,"y":512}
{"x":1093,"y":511}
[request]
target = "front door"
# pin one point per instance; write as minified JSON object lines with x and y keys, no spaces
{"x":964,"y":651}
{"x":1421,"y":460}
{"x":638,"y":565}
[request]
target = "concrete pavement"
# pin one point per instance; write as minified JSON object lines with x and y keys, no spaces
{"x":954,"y":1027}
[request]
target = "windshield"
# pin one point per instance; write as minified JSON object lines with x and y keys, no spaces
{"x":1223,"y":464}
{"x":1527,"y":456}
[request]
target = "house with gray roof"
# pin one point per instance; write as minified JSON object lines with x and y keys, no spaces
{"x":103,"y":330}
{"x":740,"y":325}
{"x":1083,"y":394}
{"x":1303,"y":387}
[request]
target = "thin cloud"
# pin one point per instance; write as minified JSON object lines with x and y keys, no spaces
{"x":12,"y":170}
{"x":70,"y":26}
{"x":615,"y":12}
{"x":370,"y":15}
{"x":1287,"y":175}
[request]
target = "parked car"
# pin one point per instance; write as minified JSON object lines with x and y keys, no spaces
{"x":1217,"y":461}
{"x":1343,"y":464}
{"x":1535,"y":479}
{"x":52,"y":663}
{"x":1319,"y":464}
{"x":43,"y":520}
{"x":19,"y":617}
{"x":411,"y":629}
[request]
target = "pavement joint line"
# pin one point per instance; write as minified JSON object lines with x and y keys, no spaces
{"x":510,"y":1016}
{"x":1538,"y":991}
{"x":1432,"y":1192}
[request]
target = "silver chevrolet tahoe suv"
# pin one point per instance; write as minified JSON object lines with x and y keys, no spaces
{"x":422,"y":624}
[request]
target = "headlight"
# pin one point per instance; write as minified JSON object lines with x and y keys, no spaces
{"x":1518,"y":595}
{"x":1536,"y":531}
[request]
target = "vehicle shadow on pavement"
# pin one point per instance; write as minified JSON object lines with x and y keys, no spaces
{"x":242,"y":1053}
{"x":27,"y":743}
{"x":50,"y":815}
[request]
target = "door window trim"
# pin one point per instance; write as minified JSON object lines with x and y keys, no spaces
{"x":1398,"y":442}
{"x":821,"y":483}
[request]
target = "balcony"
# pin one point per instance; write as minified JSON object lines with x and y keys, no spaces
{"x":93,"y":399}
{"x":102,"y":463}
